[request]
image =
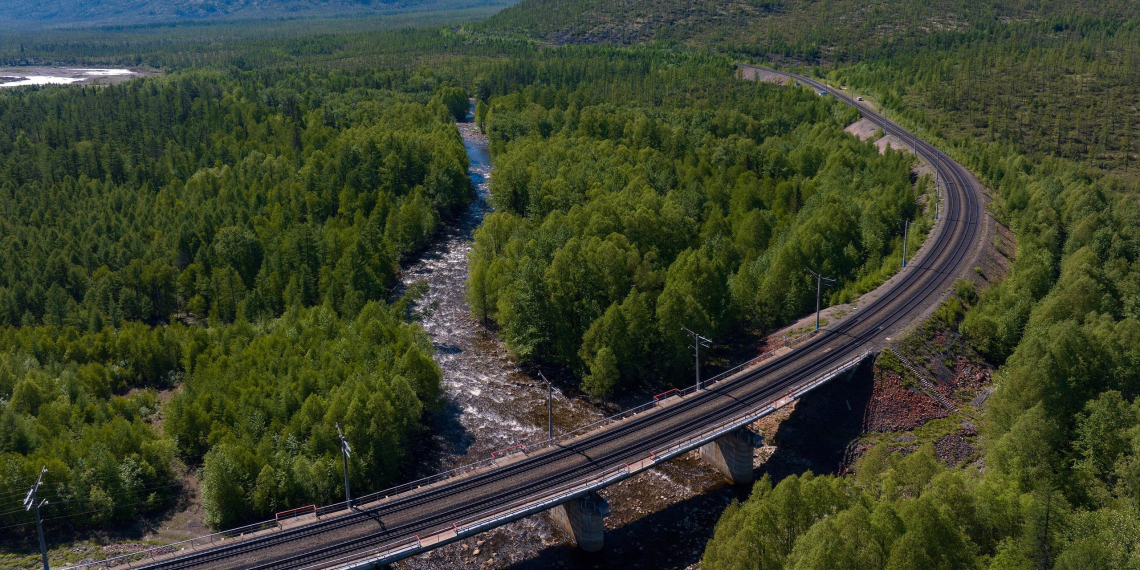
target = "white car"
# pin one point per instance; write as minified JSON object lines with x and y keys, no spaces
{"x":858,"y":98}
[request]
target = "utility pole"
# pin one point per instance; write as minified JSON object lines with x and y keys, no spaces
{"x":345,"y":451}
{"x":820,"y":281}
{"x":906,"y":230}
{"x":935,"y":194}
{"x":32,"y":501}
{"x":549,"y":407}
{"x":698,"y":342}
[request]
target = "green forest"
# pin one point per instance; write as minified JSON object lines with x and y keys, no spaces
{"x":183,"y":258}
{"x":1039,"y":100}
{"x":617,"y":224}
{"x":1052,"y":78}
{"x":199,"y":267}
{"x":1061,"y":485}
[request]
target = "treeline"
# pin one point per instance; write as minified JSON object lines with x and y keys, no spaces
{"x":359,"y":46}
{"x":262,"y":403}
{"x":1061,"y":484}
{"x":1073,"y":95}
{"x":639,"y":196}
{"x":840,"y":31}
{"x":195,"y":275}
{"x":68,"y":404}
{"x":1054,"y":77}
{"x":57,"y":15}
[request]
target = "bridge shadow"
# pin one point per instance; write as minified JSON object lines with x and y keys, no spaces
{"x":673,"y":537}
{"x":819,"y":433}
{"x":816,"y":436}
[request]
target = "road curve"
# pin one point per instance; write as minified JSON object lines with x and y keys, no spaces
{"x":949,"y":254}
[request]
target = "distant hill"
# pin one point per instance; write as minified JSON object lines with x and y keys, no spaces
{"x":799,"y":27}
{"x":41,"y":13}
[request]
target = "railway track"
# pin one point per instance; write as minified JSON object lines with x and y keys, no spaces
{"x":488,"y":491}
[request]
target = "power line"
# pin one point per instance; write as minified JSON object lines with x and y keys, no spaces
{"x":698,"y":342}
{"x":58,"y":501}
{"x":120,"y":493}
{"x":4,"y":494}
{"x":69,"y":515}
{"x":51,"y":519}
{"x":15,"y":510}
{"x":73,"y":515}
{"x":820,"y":283}
{"x":32,"y":501}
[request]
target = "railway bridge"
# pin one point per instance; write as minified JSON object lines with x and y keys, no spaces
{"x":564,"y":473}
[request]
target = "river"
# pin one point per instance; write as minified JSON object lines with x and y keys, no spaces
{"x":660,"y":519}
{"x":26,"y":76}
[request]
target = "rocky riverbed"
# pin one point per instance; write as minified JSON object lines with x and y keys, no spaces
{"x":492,"y":403}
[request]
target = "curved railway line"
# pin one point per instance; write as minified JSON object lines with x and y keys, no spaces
{"x":489,"y":491}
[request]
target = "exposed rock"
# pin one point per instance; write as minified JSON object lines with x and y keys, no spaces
{"x":953,"y":449}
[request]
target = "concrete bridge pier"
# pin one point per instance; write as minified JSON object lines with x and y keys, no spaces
{"x":731,"y":454}
{"x":583,"y":519}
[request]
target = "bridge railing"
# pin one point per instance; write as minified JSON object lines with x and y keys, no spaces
{"x":381,"y":552}
{"x":682,"y":392}
{"x":479,"y":522}
{"x":520,"y":507}
{"x":288,"y":514}
{"x":748,"y":417}
{"x":529,"y":448}
{"x":591,"y":481}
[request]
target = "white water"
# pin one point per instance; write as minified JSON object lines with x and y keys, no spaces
{"x":492,"y":403}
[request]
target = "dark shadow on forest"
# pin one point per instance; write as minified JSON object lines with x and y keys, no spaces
{"x":443,"y":437}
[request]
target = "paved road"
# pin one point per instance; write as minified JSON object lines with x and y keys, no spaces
{"x":950,"y":255}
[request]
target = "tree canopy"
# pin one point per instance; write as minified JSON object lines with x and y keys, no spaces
{"x":196,"y":272}
{"x":698,"y":201}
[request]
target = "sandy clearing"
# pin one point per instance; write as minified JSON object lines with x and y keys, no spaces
{"x":761,"y":75}
{"x":863,"y":129}
{"x":920,"y":168}
{"x":891,"y":141}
